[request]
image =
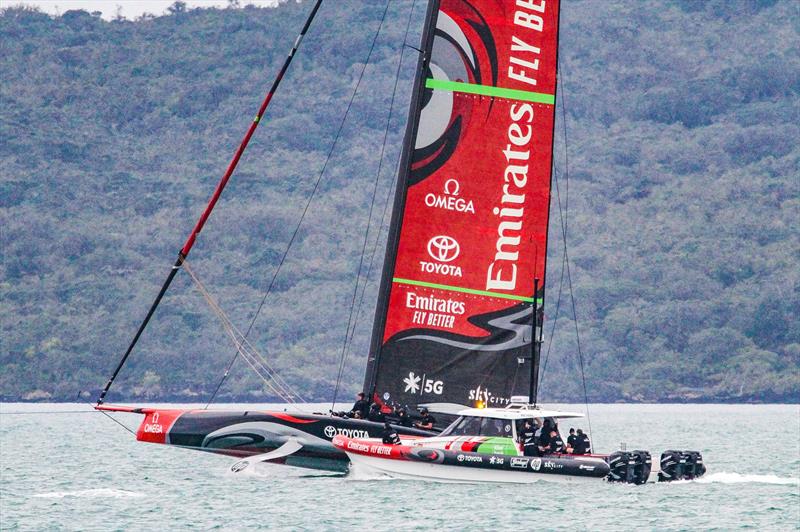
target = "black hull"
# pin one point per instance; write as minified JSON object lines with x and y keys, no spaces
{"x":242,"y":434}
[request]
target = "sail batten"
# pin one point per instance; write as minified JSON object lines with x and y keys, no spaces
{"x":455,"y":318}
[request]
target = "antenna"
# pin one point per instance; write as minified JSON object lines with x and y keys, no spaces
{"x":533,"y":391}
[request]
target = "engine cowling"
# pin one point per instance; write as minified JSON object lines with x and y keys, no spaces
{"x":681,"y":465}
{"x":632,"y":467}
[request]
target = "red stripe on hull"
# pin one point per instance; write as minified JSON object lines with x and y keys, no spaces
{"x":383,"y":450}
{"x":290,"y":419}
{"x":157,"y":424}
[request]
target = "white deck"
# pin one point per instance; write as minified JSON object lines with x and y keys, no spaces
{"x":517,"y":413}
{"x":408,"y":470}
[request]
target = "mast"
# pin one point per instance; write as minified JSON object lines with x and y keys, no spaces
{"x":187,"y":246}
{"x":393,"y":240}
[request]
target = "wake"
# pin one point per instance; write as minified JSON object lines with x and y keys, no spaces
{"x":272,"y":471}
{"x":736,"y":478}
{"x":365,"y":474}
{"x":98,"y":492}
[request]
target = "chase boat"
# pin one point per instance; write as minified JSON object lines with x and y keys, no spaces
{"x":481,"y":446}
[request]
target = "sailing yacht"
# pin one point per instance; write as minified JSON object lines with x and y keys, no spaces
{"x":458,"y":320}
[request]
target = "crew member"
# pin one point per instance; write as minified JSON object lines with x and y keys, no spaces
{"x":528,"y":439}
{"x":375,"y":413}
{"x":543,"y":439}
{"x":389,"y":435}
{"x":403,"y":418}
{"x":427,"y":421}
{"x":556,"y":444}
{"x":572,"y":439}
{"x":584,"y":446}
{"x":361,"y":406}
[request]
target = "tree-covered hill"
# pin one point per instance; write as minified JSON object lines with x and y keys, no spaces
{"x":681,"y":163}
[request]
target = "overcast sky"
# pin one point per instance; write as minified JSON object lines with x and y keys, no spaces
{"x":128,"y":8}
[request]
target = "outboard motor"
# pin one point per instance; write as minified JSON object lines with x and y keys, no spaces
{"x":694,"y":464}
{"x":618,"y":465}
{"x":632,"y":467}
{"x":681,"y":465}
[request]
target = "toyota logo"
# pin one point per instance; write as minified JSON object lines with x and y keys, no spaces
{"x":330,"y":431}
{"x":443,"y":248}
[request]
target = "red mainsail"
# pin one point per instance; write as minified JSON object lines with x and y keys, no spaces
{"x":454,"y":322}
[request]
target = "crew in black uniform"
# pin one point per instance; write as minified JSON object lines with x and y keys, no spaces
{"x":427,"y":421}
{"x":403,"y":418}
{"x":583,"y":445}
{"x":556,"y":444}
{"x":389,"y":435}
{"x":543,"y":441}
{"x":572,"y":439}
{"x":361,"y":406}
{"x":375,"y":413}
{"x":527,"y":437}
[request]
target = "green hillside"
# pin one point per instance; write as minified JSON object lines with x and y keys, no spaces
{"x":682,"y":152}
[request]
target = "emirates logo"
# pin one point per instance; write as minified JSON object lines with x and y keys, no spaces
{"x":443,"y":248}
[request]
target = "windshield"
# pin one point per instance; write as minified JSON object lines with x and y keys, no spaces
{"x":479,"y":426}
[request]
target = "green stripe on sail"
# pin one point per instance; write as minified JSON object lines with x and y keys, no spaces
{"x":449,"y":288}
{"x":486,"y":90}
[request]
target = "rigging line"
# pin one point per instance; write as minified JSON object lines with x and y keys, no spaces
{"x":388,"y":194}
{"x":375,"y":246}
{"x":300,"y":222}
{"x":578,"y":341}
{"x":259,"y":368}
{"x":251,"y":356}
{"x":187,"y":246}
{"x":564,"y":221}
{"x":348,"y":342}
{"x":384,"y":223}
{"x":248,"y":352}
{"x":109,"y":416}
{"x":558,"y":297}
{"x":302,"y":216}
{"x":564,"y":228}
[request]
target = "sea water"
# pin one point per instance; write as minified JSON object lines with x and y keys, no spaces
{"x":71,"y":470}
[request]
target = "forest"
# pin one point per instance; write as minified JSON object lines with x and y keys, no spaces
{"x":677,"y":183}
